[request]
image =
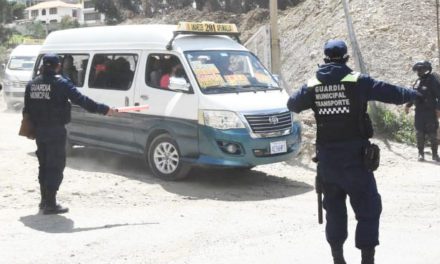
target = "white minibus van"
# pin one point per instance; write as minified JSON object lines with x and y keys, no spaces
{"x":18,"y":72}
{"x":211,"y":102}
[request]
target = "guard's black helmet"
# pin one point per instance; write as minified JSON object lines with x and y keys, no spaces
{"x":335,"y":50}
{"x":422,"y":68}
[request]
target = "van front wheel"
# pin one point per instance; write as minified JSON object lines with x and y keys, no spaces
{"x":165,"y":160}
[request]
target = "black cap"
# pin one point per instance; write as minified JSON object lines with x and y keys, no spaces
{"x":335,"y":49}
{"x":51,"y":59}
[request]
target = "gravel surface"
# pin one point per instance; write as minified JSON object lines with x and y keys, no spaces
{"x":119,"y":213}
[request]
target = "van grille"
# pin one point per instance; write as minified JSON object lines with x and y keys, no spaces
{"x":267,"y":125}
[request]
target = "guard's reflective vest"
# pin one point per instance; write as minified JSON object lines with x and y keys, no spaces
{"x":340,"y":111}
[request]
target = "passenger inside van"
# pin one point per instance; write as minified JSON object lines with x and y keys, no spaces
{"x":223,"y":64}
{"x":156,"y":71}
{"x":82,"y":72}
{"x":120,"y":75}
{"x":173,"y":69}
{"x":69,"y":70}
{"x":99,"y":73}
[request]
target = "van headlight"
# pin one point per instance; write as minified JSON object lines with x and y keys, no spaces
{"x":220,"y":119}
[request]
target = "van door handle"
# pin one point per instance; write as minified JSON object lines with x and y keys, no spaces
{"x":145,"y":96}
{"x":127,"y":101}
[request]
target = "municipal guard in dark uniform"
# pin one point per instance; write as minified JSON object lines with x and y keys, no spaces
{"x":426,"y":120}
{"x":338,"y":96}
{"x":48,"y":107}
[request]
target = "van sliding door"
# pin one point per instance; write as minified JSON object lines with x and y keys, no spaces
{"x":111,"y":80}
{"x":175,"y":112}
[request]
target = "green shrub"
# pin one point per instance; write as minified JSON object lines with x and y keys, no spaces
{"x":395,"y":126}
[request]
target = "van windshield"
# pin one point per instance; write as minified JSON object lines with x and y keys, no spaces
{"x":229,"y":72}
{"x":22,"y":63}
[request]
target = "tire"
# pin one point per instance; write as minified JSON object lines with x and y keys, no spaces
{"x":164,"y":159}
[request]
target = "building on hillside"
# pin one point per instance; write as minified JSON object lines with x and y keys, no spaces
{"x":34,"y":2}
{"x":90,"y":15}
{"x":50,"y":12}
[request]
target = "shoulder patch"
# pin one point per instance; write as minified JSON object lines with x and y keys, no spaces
{"x":351,"y":77}
{"x":313,"y":82}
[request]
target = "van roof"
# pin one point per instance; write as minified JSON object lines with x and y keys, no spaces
{"x":26,"y":50}
{"x":133,"y":37}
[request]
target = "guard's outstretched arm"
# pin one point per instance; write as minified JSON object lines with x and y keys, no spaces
{"x":79,"y":99}
{"x":301,"y":100}
{"x":385,"y":92}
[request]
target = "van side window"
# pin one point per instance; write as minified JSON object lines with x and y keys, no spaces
{"x":160,"y":68}
{"x":112,"y":71}
{"x":73,"y":67}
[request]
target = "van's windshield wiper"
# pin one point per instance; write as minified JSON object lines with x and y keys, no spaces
{"x":260,"y":87}
{"x":222,"y":88}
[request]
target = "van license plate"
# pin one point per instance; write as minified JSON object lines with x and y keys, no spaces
{"x":278,"y":147}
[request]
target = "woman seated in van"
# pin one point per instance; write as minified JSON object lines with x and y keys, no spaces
{"x":165,"y":80}
{"x":100,"y":69}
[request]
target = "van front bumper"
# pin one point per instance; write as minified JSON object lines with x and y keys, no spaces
{"x":13,"y":94}
{"x":251,"y":151}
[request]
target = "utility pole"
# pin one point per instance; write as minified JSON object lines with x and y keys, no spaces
{"x":357,"y":55}
{"x":274,"y":38}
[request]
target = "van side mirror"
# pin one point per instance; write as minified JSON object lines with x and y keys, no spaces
{"x":179,"y":84}
{"x":3,"y":67}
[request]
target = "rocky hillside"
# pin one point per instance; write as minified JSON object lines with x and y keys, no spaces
{"x":392,"y":36}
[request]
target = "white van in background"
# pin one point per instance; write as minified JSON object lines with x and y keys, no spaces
{"x":18,"y":72}
{"x":211,"y":102}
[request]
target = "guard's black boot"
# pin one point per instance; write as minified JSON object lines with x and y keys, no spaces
{"x":436,"y":158}
{"x":43,"y":197}
{"x":368,"y":256}
{"x":421,"y":157}
{"x":338,"y":256}
{"x":51,"y":204}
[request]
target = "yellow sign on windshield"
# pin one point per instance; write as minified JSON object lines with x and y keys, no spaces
{"x":207,"y":27}
{"x":237,"y":79}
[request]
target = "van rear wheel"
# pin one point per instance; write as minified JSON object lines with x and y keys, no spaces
{"x":164,"y":159}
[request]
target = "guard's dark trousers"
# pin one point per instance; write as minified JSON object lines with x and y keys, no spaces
{"x":51,"y":155}
{"x":344,"y":174}
{"x":426,"y":124}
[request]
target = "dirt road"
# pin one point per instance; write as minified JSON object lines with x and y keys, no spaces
{"x":119,"y":213}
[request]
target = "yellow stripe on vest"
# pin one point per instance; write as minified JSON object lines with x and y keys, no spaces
{"x":351,"y":77}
